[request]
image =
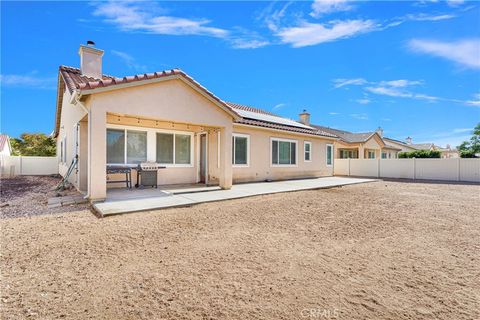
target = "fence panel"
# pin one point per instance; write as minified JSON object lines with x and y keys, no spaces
{"x":470,"y":170}
{"x":13,"y":165}
{"x":397,"y":168}
{"x":364,"y":167}
{"x":422,"y":169}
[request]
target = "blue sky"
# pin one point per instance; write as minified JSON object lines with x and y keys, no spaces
{"x":411,"y":67}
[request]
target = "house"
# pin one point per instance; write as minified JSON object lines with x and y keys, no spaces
{"x":363,"y":145}
{"x":403,"y":146}
{"x":409,"y":146}
{"x":5,"y":147}
{"x":169,"y":118}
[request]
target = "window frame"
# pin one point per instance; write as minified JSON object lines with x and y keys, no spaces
{"x":374,"y":154}
{"x":152,"y":144}
{"x":278,"y":151}
{"x":329,"y":145}
{"x":305,"y":143}
{"x":241,"y":135}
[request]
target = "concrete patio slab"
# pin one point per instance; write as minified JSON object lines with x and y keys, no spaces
{"x":162,"y":200}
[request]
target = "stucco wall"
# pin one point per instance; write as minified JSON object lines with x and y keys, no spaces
{"x":260,"y":167}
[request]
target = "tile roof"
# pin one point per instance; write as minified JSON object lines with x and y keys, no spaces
{"x":74,"y":80}
{"x":347,"y":136}
{"x":422,"y":146}
{"x":275,"y":125}
{"x":3,"y":141}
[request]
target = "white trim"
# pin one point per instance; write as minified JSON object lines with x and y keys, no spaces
{"x":305,"y":143}
{"x":241,"y":135}
{"x":152,"y":144}
{"x":331,"y":154}
{"x":278,"y":150}
{"x":218,"y":149}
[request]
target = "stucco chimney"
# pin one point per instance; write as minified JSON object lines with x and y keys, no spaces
{"x":305,"y":118}
{"x":379,"y":131}
{"x":409,"y":140}
{"x":90,"y":60}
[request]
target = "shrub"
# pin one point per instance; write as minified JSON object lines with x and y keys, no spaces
{"x":420,"y":154}
{"x":468,"y":154}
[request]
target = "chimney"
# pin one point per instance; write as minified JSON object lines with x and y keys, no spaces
{"x":409,"y":140}
{"x":305,"y":117}
{"x":90,"y":60}
{"x":379,"y":131}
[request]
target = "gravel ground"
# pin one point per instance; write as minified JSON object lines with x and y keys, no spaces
{"x":28,"y":196}
{"x":383,"y":250}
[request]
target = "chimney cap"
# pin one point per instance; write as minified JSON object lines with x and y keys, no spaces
{"x":304,"y":111}
{"x":90,"y":43}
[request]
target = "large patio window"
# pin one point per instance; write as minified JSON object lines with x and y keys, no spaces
{"x":135,"y":146}
{"x":174,"y":148}
{"x":240,"y":149}
{"x":284,"y":152}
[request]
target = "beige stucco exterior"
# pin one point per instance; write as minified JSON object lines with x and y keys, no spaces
{"x":173,"y":106}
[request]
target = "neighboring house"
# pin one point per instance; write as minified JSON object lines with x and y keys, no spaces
{"x":403,"y":146}
{"x":169,"y":118}
{"x":363,"y":145}
{"x":5,"y":147}
{"x":409,"y":146}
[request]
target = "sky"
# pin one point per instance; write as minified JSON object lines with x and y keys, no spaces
{"x":410,"y":67}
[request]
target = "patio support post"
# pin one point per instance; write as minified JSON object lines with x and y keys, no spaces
{"x":226,"y":158}
{"x":97,"y":154}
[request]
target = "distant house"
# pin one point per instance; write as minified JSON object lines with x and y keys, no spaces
{"x":5,"y":147}
{"x":169,"y":118}
{"x":363,"y":145}
{"x":409,"y":146}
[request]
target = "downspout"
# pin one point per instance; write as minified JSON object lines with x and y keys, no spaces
{"x":75,"y":100}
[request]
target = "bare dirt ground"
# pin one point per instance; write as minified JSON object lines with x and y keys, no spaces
{"x":28,"y":196}
{"x":383,"y":250}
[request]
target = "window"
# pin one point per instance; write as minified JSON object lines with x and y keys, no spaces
{"x":63,"y":150}
{"x":174,"y":148}
{"x":329,"y":154}
{"x":284,"y":152}
{"x":135,"y":146}
{"x":240,"y":149}
{"x":384,"y":155}
{"x":307,"y":149}
{"x":371,"y":154}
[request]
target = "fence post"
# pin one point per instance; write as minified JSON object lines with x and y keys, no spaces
{"x":458,"y":167}
{"x":21,"y":166}
{"x":414,"y":169}
{"x":378,"y":168}
{"x":349,"y":167}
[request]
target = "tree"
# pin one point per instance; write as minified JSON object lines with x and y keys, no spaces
{"x":33,"y":144}
{"x":469,"y":149}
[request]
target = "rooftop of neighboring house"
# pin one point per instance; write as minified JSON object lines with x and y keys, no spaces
{"x":4,"y":141}
{"x":75,"y":80}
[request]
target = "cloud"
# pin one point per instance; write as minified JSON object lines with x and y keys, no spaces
{"x":364,"y":101}
{"x":462,"y":130}
{"x":321,"y":7}
{"x":455,"y":3}
{"x":333,"y":113}
{"x":140,"y":17}
{"x":279,"y":106}
{"x":475,"y":102}
{"x":359,"y":116}
{"x":463,"y":52}
{"x":347,"y":82}
{"x":309,"y":34}
{"x":129,"y":60}
{"x":400,"y":83}
{"x":29,"y":80}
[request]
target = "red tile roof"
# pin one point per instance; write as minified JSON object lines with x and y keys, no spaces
{"x":74,"y":80}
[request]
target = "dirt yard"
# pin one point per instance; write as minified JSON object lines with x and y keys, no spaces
{"x":383,"y":250}
{"x":28,"y":196}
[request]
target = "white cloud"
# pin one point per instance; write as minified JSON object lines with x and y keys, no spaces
{"x":455,"y":3}
{"x":475,"y":101}
{"x":364,"y":101}
{"x":347,"y":82}
{"x":29,"y":80}
{"x":129,"y":60}
{"x":309,"y":34}
{"x":462,"y":130}
{"x":321,"y":7}
{"x":138,"y":16}
{"x":429,"y":17}
{"x":463,"y":52}
{"x":279,"y":106}
{"x":400,"y":83}
{"x":388,"y":91}
{"x":333,"y":113}
{"x":359,"y":116}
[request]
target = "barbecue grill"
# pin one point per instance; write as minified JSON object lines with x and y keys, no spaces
{"x":147,"y":174}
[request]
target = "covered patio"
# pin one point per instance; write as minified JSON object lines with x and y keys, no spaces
{"x":161,"y":199}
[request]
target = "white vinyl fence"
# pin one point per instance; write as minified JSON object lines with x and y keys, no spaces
{"x":13,"y":165}
{"x":422,"y":169}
